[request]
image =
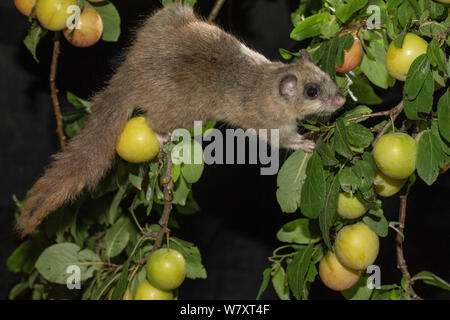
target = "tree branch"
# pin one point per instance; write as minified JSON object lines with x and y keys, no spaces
{"x":372,"y":115}
{"x":401,"y":262}
{"x":215,"y":10}
{"x":54,"y":91}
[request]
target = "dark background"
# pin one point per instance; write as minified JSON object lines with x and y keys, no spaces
{"x":240,"y":216}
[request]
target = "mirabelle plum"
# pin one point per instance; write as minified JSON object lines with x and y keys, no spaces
{"x":352,"y":57}
{"x":88,"y":30}
{"x":385,"y":186}
{"x":54,"y":14}
{"x":395,"y":155}
{"x":145,"y":291}
{"x":356,"y":246}
{"x":166,"y":269}
{"x":25,"y":6}
{"x":399,"y":60}
{"x":349,"y":207}
{"x":336,"y":276}
{"x":137,"y":143}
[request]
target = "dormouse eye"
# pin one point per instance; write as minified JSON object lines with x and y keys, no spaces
{"x":312,"y":90}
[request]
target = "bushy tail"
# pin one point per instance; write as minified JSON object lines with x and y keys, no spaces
{"x":87,"y":158}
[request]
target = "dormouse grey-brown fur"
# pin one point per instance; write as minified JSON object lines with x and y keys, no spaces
{"x":182,"y":69}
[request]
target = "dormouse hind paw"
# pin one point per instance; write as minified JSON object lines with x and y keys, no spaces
{"x":305,"y":145}
{"x":162,"y":138}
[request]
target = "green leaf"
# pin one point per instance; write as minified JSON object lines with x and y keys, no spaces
{"x":424,"y":100}
{"x":359,"y":291}
{"x":122,"y":283}
{"x":265,"y":282}
{"x":432,"y":279}
{"x":301,"y":231}
{"x":73,"y":129}
{"x":363,"y":91}
{"x":191,"y":206}
{"x":310,"y":27}
{"x":341,"y":140}
{"x":24,"y":257}
{"x":181,"y":192}
{"x":313,"y":191}
{"x":345,"y":11}
{"x":286,"y":54}
{"x":290,"y":180}
{"x":350,"y":178}
{"x":432,"y":28}
{"x":404,"y":14}
{"x":330,"y":55}
{"x":280,"y":284}
{"x":54,"y":261}
{"x":72,"y":116}
{"x":136,"y":175}
{"x":297,"y":270}
{"x":367,"y":168}
{"x":18,"y":290}
{"x":116,"y":238}
{"x":430,"y":157}
{"x":384,"y":292}
{"x":194,"y":266}
{"x":417,"y":74}
{"x":114,"y":207}
{"x":376,"y":221}
{"x":35,"y":34}
{"x":110,"y":17}
{"x":375,"y":69}
{"x":329,"y":27}
{"x":444,"y":115}
{"x":328,"y":213}
{"x":358,"y":135}
{"x":78,"y":102}
{"x":436,"y":10}
{"x":192,"y":171}
{"x":326,"y":153}
{"x":398,"y":42}
{"x":435,"y":55}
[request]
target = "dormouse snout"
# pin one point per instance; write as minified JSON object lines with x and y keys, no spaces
{"x":337,"y":101}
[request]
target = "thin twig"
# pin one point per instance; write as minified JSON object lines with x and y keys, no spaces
{"x":401,"y":262}
{"x":371,"y":115}
{"x":215,"y":10}
{"x":168,"y":186}
{"x":394,"y":113}
{"x":54,"y":91}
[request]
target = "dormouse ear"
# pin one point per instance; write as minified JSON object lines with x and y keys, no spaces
{"x":305,"y":55}
{"x":288,"y":86}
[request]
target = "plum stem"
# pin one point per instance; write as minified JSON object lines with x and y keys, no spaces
{"x":393,"y":114}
